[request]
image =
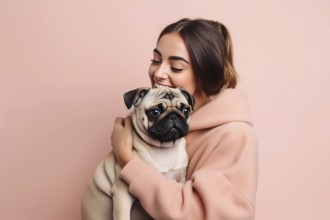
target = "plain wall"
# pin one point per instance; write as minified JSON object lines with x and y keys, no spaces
{"x":64,"y":65}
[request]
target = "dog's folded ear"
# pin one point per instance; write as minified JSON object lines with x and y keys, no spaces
{"x":135,"y":96}
{"x":190,"y":98}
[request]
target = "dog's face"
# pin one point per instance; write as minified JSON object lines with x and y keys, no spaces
{"x":160,"y":114}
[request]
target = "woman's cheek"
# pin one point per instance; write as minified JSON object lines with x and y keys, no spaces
{"x":151,"y":71}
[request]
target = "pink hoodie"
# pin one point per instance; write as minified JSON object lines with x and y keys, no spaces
{"x":222,"y":172}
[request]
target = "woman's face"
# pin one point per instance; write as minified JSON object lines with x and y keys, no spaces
{"x":171,"y":64}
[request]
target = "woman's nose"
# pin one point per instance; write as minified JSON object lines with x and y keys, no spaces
{"x":161,"y":72}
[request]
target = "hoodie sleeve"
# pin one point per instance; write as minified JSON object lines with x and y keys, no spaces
{"x":222,"y":184}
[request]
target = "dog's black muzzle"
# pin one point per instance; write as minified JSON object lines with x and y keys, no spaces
{"x":170,"y":128}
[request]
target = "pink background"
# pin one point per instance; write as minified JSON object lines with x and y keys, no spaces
{"x":64,"y":65}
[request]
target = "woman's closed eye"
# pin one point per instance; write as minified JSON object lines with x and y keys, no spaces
{"x":176,"y":70}
{"x":153,"y":61}
{"x":173,"y":69}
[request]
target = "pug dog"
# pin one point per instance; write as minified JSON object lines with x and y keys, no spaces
{"x":160,"y":121}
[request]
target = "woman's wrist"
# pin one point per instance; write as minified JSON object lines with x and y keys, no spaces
{"x":124,"y":159}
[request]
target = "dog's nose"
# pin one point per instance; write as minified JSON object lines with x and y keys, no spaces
{"x":173,"y":116}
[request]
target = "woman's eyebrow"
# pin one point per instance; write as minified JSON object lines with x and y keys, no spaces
{"x":157,"y":52}
{"x":171,"y":57}
{"x":178,"y":58}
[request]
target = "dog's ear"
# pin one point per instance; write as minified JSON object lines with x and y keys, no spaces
{"x":135,"y":96}
{"x":190,"y":98}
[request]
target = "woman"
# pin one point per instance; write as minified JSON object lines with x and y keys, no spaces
{"x":195,"y":55}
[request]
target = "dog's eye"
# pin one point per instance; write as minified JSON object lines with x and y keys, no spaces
{"x":186,"y":111}
{"x":154,"y":112}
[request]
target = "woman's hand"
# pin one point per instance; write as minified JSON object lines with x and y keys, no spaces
{"x":121,"y":140}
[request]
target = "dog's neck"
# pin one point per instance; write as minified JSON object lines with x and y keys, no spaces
{"x":165,"y":159}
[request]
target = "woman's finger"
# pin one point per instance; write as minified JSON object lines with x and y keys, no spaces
{"x":128,"y":123}
{"x":119,"y":122}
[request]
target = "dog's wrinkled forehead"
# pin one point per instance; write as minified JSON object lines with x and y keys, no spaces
{"x":170,"y":96}
{"x":149,"y":96}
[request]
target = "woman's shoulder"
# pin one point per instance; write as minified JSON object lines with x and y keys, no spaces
{"x":230,"y":105}
{"x":232,"y":130}
{"x":230,"y":136}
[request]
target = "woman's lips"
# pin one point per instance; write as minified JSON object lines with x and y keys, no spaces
{"x":160,"y":85}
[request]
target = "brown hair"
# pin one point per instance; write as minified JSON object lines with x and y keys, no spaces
{"x":210,"y":48}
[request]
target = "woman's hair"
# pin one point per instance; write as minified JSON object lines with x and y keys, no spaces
{"x":210,"y":48}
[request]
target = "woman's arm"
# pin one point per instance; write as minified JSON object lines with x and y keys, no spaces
{"x":223,"y":185}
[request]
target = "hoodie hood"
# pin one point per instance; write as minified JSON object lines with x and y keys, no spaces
{"x":230,"y":105}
